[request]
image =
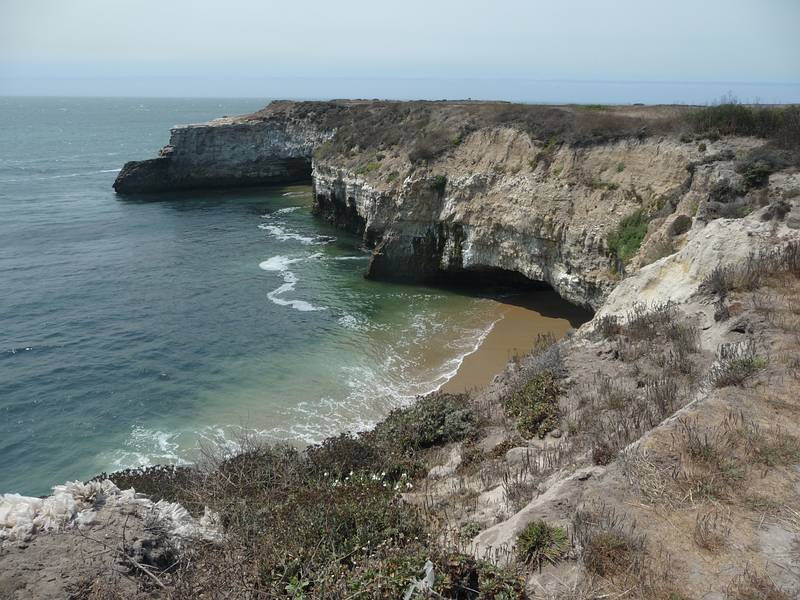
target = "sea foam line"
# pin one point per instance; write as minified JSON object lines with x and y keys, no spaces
{"x":280,"y":264}
{"x":283,"y":235}
{"x":153,"y":447}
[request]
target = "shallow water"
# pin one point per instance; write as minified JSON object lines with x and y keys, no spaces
{"x":132,"y":330}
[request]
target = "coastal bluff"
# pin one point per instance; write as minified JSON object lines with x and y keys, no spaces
{"x":475,"y":191}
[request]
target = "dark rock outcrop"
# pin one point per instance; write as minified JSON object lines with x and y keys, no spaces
{"x":230,"y":152}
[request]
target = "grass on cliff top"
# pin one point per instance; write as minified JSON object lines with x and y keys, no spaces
{"x":328,"y":522}
{"x":779,"y":124}
{"x":426,"y":130}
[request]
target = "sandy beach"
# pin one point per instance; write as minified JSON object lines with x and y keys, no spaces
{"x":522,"y":318}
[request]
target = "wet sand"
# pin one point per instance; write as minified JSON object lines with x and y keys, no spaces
{"x":524,"y":317}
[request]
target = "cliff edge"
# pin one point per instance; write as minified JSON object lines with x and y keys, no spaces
{"x":571,"y":196}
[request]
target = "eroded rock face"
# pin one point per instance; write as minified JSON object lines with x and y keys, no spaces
{"x":227,"y":153}
{"x":490,"y":205}
{"x":495,"y":200}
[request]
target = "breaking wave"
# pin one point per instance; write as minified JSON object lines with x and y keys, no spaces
{"x":147,"y":447}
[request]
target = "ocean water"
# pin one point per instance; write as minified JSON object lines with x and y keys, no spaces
{"x":133,"y":331}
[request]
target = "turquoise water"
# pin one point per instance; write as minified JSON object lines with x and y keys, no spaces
{"x":132,"y":331}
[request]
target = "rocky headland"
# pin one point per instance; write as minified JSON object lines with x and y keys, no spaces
{"x":652,"y":453}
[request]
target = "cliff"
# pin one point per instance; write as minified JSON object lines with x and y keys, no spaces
{"x":467,"y":191}
{"x":228,"y":152}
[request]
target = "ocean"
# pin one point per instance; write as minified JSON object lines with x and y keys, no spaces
{"x":135,"y":331}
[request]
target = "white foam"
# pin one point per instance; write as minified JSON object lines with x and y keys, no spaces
{"x":277,"y":263}
{"x":283,"y":235}
{"x":281,"y":263}
{"x":147,"y":447}
{"x":362,"y":257}
{"x":290,"y":280}
{"x":287,"y":210}
{"x":352,"y":322}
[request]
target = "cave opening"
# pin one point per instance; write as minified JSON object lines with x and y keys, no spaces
{"x":490,"y":279}
{"x":514,"y":288}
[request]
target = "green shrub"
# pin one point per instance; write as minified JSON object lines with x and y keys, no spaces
{"x":469,"y":530}
{"x":625,"y":241}
{"x":439,"y":183}
{"x":535,"y":406}
{"x":778,"y":124}
{"x":159,"y":482}
{"x":539,"y":542}
{"x":433,"y":420}
{"x":368,"y":168}
{"x":596,"y":184}
{"x":324,"y":150}
{"x":326,"y":522}
{"x":736,"y":364}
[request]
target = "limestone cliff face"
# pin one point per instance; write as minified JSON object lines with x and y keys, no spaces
{"x":498,"y":197}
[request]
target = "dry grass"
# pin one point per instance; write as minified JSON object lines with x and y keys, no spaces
{"x":711,"y":462}
{"x":736,"y":364}
{"x":755,"y":271}
{"x":712,"y":530}
{"x":618,"y":560}
{"x":753,"y":585}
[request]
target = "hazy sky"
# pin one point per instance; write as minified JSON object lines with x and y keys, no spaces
{"x":683,"y":50}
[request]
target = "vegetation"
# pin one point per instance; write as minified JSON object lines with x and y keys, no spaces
{"x":625,"y":241}
{"x":755,"y":271}
{"x":736,"y":364}
{"x":368,"y":168}
{"x":712,"y":530}
{"x":546,"y":154}
{"x":535,"y":406}
{"x":538,"y":542}
{"x":752,"y":585}
{"x":431,"y":421}
{"x":596,"y":184}
{"x":427,"y":130}
{"x":327,"y":522}
{"x":438,"y":184}
{"x":778,"y":124}
{"x":608,"y":548}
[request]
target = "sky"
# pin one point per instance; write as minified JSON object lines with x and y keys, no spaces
{"x":691,"y":51}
